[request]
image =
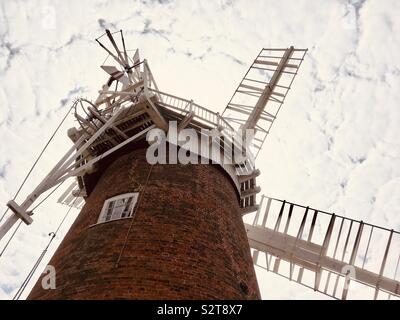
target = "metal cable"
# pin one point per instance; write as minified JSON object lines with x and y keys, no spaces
{"x":20,"y":223}
{"x":45,"y":198}
{"x":39,"y":260}
{"x":133,"y":214}
{"x":36,"y":161}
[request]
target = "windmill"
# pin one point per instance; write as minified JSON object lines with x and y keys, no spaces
{"x":329,"y":253}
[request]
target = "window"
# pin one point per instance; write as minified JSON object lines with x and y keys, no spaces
{"x":118,"y":207}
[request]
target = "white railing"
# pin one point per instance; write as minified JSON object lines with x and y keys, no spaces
{"x":203,"y":115}
{"x":324,"y":251}
{"x":184,"y":106}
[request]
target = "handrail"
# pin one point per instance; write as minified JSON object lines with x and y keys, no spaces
{"x":200,"y":112}
{"x":184,"y":106}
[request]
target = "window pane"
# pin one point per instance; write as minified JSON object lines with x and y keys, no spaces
{"x":109,"y":210}
{"x":119,"y":208}
{"x":127,"y":208}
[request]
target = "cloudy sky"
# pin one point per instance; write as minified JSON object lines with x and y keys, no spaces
{"x":335,"y":145}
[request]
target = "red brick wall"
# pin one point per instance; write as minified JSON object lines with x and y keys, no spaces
{"x":187,"y":239}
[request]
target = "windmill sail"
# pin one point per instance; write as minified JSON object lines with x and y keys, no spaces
{"x":259,"y":96}
{"x":337,"y":256}
{"x":71,"y":196}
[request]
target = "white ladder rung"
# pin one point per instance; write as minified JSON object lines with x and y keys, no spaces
{"x":251,"y":87}
{"x":270,"y":63}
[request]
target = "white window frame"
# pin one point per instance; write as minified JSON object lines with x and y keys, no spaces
{"x":108,"y":212}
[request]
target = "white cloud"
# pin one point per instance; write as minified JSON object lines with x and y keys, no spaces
{"x":335,"y":145}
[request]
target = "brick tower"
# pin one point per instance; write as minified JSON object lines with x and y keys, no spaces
{"x":185,"y":238}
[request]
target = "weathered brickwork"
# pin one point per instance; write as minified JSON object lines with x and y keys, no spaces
{"x":185,"y":241}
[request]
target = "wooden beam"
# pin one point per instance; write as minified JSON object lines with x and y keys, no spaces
{"x":185,"y":121}
{"x":254,"y":174}
{"x":249,"y":192}
{"x":249,"y":209}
